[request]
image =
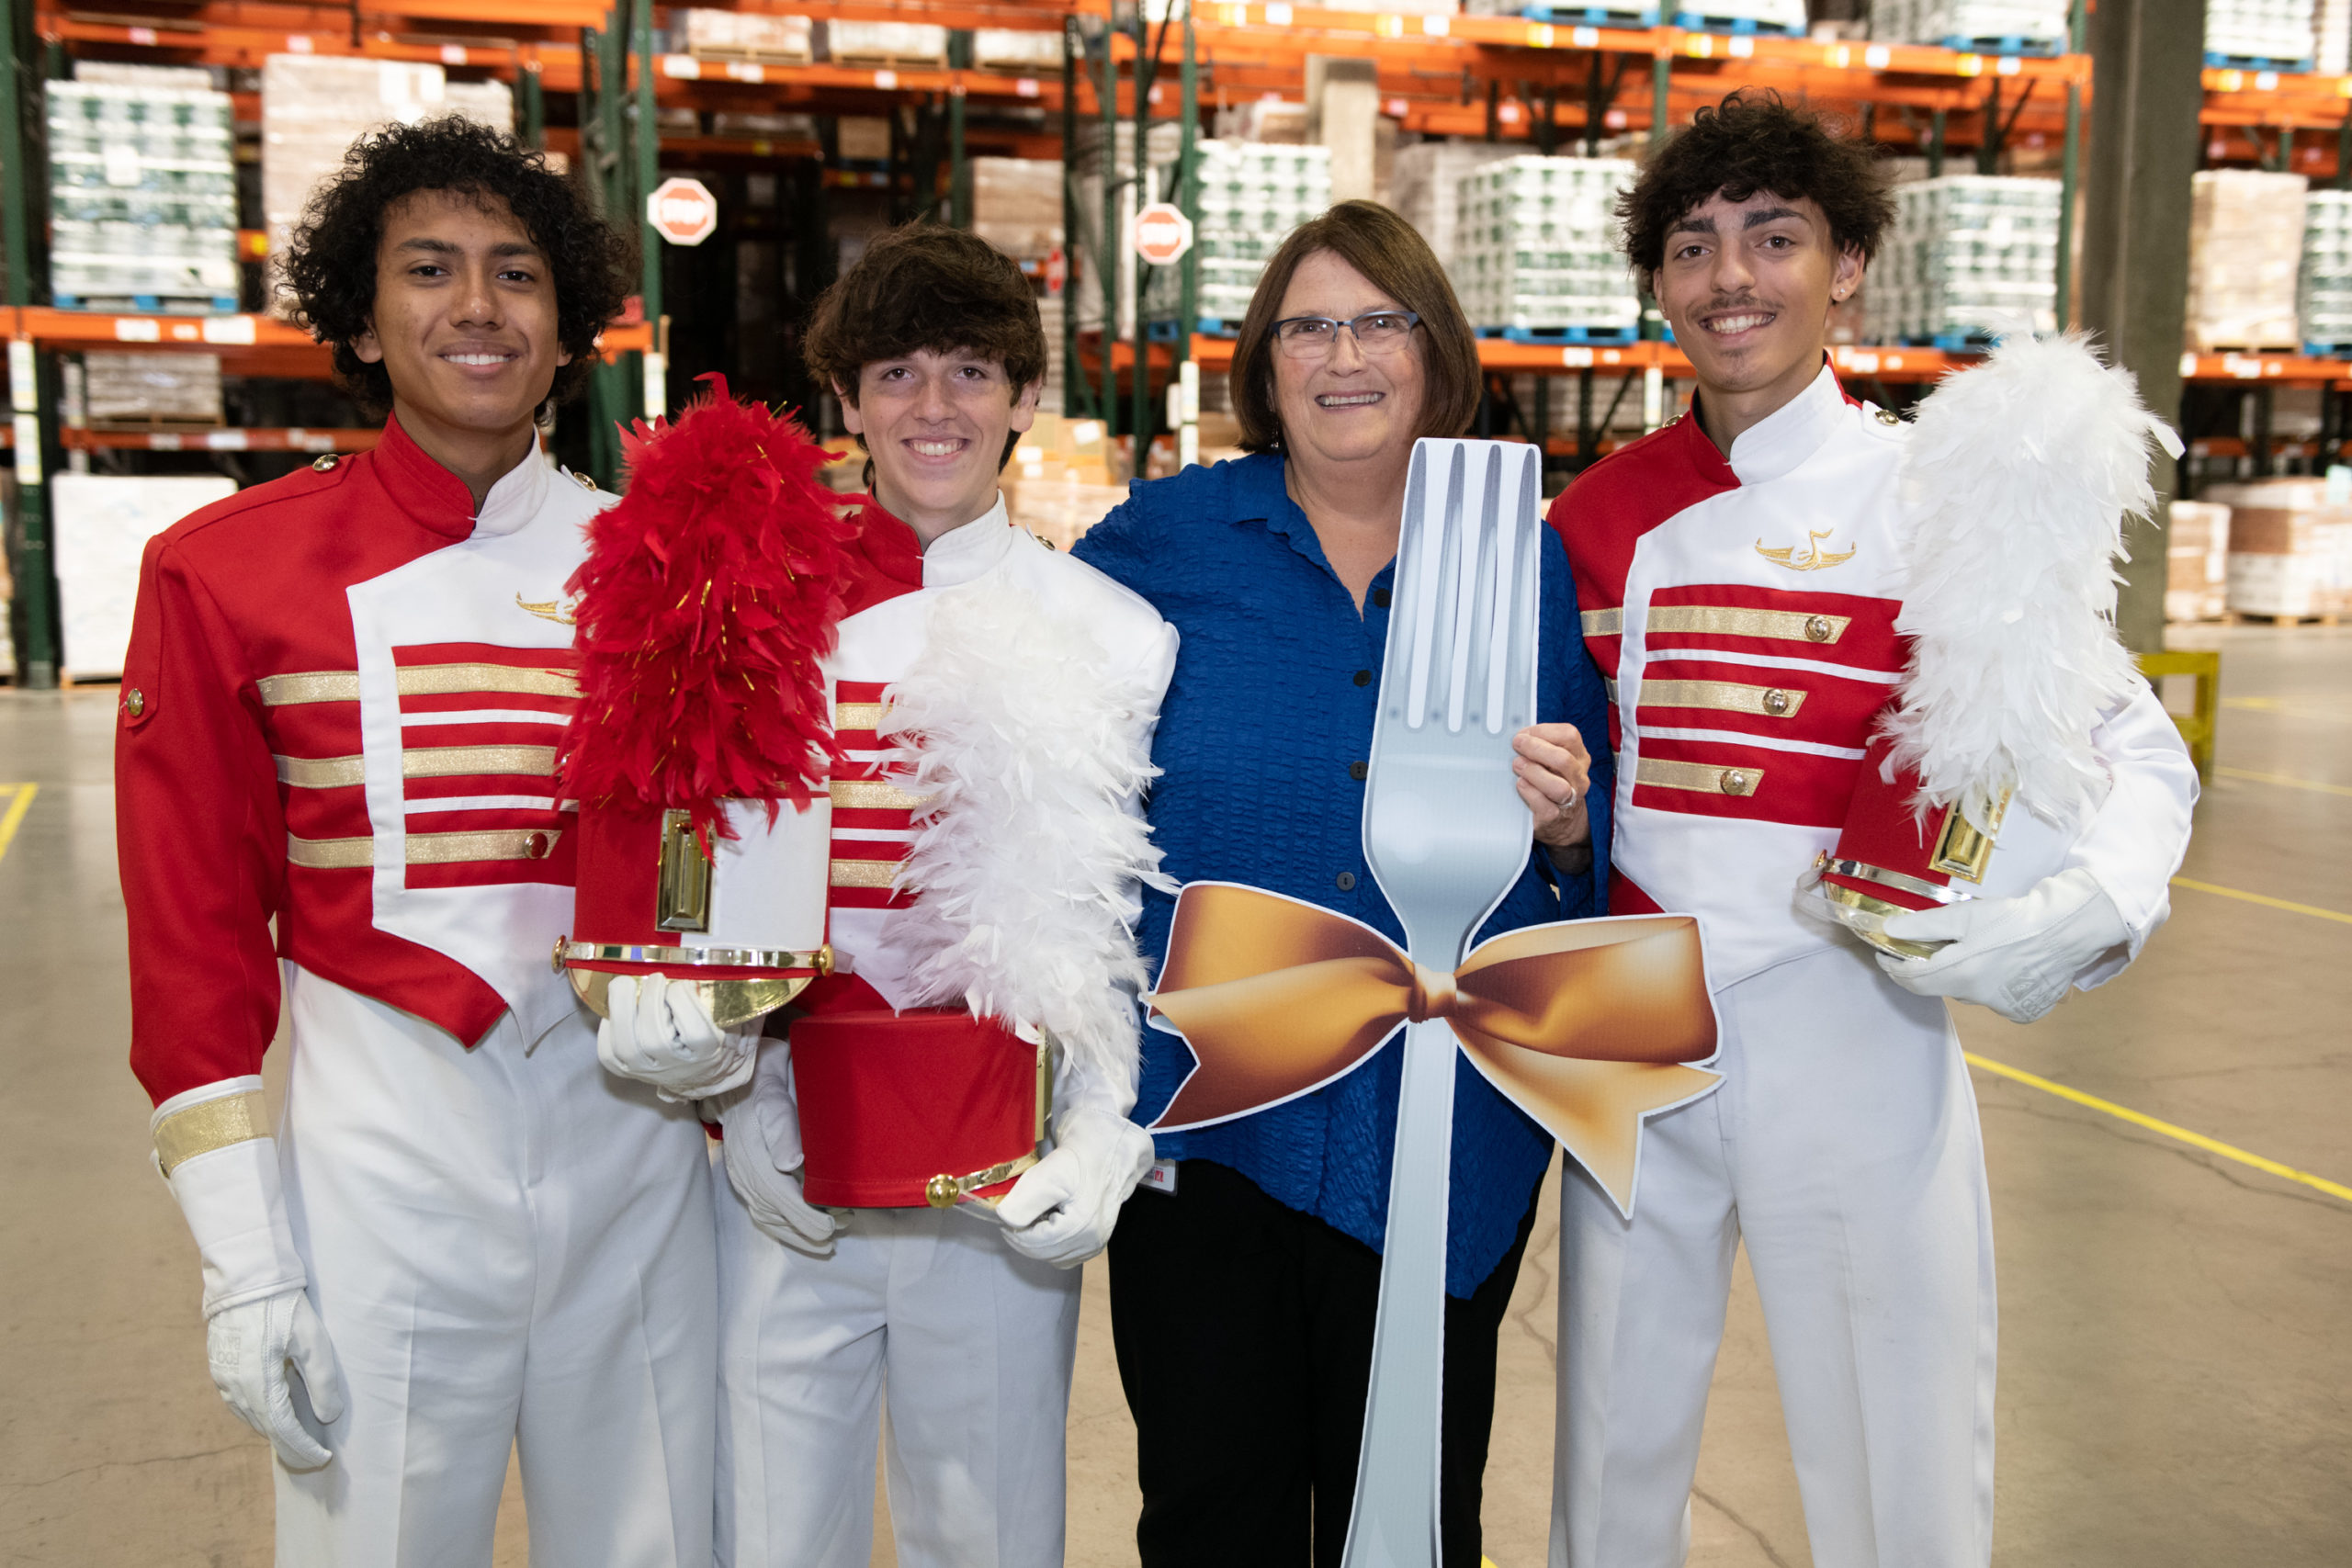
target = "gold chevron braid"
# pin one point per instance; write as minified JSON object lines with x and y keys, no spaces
{"x":875,"y":795}
{"x":1766,"y":701}
{"x":419,"y":762}
{"x":1706,"y":778}
{"x":1719,"y":620}
{"x":419,"y":681}
{"x":1722,"y":620}
{"x":207,"y":1125}
{"x":426,"y":849}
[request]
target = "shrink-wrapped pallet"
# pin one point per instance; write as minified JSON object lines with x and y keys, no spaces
{"x":1017,"y":205}
{"x":1424,"y":186}
{"x":168,"y":389}
{"x":102,"y":524}
{"x":2279,"y":34}
{"x":2290,"y":546}
{"x":1537,"y":249}
{"x":2197,"y":546}
{"x":313,"y":106}
{"x":1007,"y":49}
{"x":742,"y":35}
{"x":1970,"y":254}
{"x":2324,"y":288}
{"x":886,"y":43}
{"x":142,"y":195}
{"x":2246,"y":247}
{"x":2038,"y":26}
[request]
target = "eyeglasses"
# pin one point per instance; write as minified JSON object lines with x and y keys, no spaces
{"x":1314,"y":337}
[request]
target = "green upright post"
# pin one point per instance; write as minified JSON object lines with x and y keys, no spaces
{"x":1139,"y":377}
{"x":959,"y":164}
{"x":1078,"y":396}
{"x":535,"y":107}
{"x":1106,"y":260}
{"x":36,"y":571}
{"x":1188,"y":189}
{"x":1661,"y":78}
{"x":652,"y":367}
{"x":1935,"y":145}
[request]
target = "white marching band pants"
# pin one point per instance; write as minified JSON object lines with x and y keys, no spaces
{"x":511,"y":1250}
{"x":968,"y":1343}
{"x":1843,"y":1147}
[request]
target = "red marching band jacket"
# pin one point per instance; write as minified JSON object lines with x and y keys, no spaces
{"x":340,"y":712}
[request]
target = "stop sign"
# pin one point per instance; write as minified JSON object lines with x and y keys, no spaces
{"x":682,"y":211}
{"x":1162,"y":233}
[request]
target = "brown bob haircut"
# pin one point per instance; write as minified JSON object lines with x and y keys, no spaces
{"x":1394,"y":259}
{"x":924,"y":286}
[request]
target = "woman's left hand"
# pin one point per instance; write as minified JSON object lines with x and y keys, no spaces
{"x":1552,"y":769}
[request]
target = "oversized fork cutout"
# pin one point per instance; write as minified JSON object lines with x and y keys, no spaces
{"x":1446,"y":835}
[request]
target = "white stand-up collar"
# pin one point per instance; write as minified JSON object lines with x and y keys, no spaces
{"x":1777,"y":444}
{"x":516,"y":498}
{"x":963,"y":553}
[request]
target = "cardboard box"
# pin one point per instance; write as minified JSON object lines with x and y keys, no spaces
{"x":2196,"y":542}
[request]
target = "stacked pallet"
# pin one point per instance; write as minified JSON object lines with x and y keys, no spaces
{"x":2002,"y":26}
{"x":915,"y":45}
{"x":313,"y":106}
{"x":151,"y":388}
{"x":2245,"y":248}
{"x":142,"y":195}
{"x":2332,"y":37}
{"x":742,"y":35}
{"x":1017,"y":205}
{"x":1252,"y":194}
{"x":1425,"y":185}
{"x":2323,"y":288}
{"x":1535,"y":250}
{"x":1004,"y":49}
{"x":1971,"y":255}
{"x":2274,"y":35}
{"x":2196,"y":567}
{"x":2290,"y":546}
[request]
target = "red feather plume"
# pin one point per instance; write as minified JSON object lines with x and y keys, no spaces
{"x":708,"y":597}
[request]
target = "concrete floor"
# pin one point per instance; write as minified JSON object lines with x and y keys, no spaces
{"x":2177,"y":1347}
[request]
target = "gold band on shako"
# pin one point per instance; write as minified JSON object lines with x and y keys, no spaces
{"x":569,"y":952}
{"x":1855,"y":871}
{"x":207,"y":1125}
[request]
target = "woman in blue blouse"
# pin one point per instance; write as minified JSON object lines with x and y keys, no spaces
{"x":1244,"y":1276}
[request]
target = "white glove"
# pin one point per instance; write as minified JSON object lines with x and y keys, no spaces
{"x":762,"y":1151}
{"x":213,"y":1146}
{"x":657,"y":1031}
{"x":251,"y":1346}
{"x":2015,"y":955}
{"x":1062,"y":1208}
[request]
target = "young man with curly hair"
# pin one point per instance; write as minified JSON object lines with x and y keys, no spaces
{"x":1740,"y":574}
{"x":339,"y":718}
{"x":978,"y":911}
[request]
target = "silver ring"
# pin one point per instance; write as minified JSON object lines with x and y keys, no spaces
{"x":1570,"y":804}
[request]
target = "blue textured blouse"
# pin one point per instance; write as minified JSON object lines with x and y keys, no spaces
{"x":1261,"y":741}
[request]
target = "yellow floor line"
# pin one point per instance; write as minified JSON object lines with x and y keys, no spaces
{"x":2266,"y":901}
{"x":2194,"y":1140}
{"x":21,"y":801}
{"x":2283,"y":779}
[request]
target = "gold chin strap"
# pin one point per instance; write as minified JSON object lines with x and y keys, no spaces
{"x":946,"y":1192}
{"x":211,"y":1125}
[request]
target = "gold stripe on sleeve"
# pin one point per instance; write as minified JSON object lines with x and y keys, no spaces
{"x":211,"y":1125}
{"x":1604,"y":623}
{"x":322,"y":772}
{"x":312,"y":687}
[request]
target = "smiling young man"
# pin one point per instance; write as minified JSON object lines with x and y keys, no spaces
{"x":339,"y":719}
{"x":1741,"y":573}
{"x":978,"y":908}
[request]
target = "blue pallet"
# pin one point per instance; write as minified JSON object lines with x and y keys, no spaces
{"x":1738,"y":27}
{"x":156,"y":304}
{"x":1594,"y":15}
{"x":1217,"y":326}
{"x":2328,"y":350}
{"x":1953,"y":342}
{"x":2257,"y":62}
{"x":2043,"y":48}
{"x":1605,"y":336}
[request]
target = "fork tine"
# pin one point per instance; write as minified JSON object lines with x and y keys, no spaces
{"x":1478,"y":665}
{"x":1407,"y":597}
{"x":1446,"y":616}
{"x":1527,"y":561}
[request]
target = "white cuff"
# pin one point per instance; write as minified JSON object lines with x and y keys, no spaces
{"x":214,"y":1148}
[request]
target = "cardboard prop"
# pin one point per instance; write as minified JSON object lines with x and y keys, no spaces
{"x":1586,"y":1025}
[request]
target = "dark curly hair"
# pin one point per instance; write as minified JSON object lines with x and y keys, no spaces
{"x":331,"y":264}
{"x":924,"y":286}
{"x":1750,"y":142}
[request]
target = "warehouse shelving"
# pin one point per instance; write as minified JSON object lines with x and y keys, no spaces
{"x":1544,"y":84}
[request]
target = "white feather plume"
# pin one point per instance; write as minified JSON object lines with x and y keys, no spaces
{"x":2016,"y":484}
{"x":1026,"y":859}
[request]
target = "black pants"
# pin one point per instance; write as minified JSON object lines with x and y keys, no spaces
{"x":1244,"y":1333}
